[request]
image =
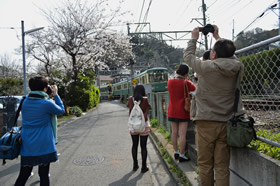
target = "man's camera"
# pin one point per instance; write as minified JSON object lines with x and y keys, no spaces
{"x":49,"y":90}
{"x":208,"y":28}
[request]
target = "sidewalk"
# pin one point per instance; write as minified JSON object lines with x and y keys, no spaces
{"x":188,"y":168}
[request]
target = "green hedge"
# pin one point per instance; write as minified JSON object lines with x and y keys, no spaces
{"x":260,"y":69}
{"x":86,"y":95}
{"x":11,"y":86}
{"x":75,"y":111}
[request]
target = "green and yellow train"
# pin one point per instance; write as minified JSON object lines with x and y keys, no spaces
{"x":154,"y":80}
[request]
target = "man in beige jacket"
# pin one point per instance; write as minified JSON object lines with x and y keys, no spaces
{"x":214,"y":106}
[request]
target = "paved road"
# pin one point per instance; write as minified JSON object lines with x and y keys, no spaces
{"x":96,"y":150}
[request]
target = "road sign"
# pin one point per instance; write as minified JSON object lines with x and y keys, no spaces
{"x":134,"y":81}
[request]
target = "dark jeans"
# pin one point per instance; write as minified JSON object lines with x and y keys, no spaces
{"x":26,"y":171}
{"x":143,"y":145}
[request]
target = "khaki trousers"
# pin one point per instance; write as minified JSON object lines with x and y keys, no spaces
{"x":213,"y":153}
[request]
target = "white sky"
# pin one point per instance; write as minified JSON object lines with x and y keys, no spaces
{"x":164,"y":15}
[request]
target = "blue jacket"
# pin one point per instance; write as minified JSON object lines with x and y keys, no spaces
{"x":37,"y":134}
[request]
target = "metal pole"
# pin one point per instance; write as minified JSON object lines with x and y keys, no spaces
{"x":279,"y":17}
{"x":232,"y":29}
{"x":131,"y":75}
{"x":23,"y":56}
{"x":204,"y":23}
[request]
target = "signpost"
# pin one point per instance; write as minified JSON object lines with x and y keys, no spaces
{"x":134,"y":81}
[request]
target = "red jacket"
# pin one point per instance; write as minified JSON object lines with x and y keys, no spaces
{"x":176,"y":98}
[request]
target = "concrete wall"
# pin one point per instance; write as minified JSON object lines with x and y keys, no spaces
{"x":250,"y":167}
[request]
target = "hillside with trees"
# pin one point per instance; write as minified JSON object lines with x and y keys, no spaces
{"x":254,"y":36}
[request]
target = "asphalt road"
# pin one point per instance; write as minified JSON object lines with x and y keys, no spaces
{"x":95,"y":151}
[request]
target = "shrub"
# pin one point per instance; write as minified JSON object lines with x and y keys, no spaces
{"x":11,"y":86}
{"x":75,"y":111}
{"x":96,"y":96}
{"x":154,"y":123}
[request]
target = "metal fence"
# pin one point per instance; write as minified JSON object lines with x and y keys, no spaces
{"x":260,"y":86}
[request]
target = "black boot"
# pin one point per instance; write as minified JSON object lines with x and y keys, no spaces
{"x":144,"y":168}
{"x":135,"y":166}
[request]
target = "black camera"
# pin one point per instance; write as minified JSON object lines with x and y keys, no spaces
{"x":49,"y":90}
{"x":208,"y":28}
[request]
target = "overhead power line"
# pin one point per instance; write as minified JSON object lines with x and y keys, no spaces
{"x":146,"y":15}
{"x":140,"y":14}
{"x":261,"y":15}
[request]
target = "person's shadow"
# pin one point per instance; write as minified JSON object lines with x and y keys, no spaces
{"x":125,"y":178}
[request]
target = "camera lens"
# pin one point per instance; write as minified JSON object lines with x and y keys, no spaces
{"x":49,"y":90}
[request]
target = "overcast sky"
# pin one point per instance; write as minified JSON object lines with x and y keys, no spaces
{"x":163,"y":15}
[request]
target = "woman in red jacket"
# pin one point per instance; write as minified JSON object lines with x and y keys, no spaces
{"x":177,"y":115}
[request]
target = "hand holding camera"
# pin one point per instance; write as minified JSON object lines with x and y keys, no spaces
{"x":52,"y":90}
{"x":208,"y":28}
{"x":205,"y":30}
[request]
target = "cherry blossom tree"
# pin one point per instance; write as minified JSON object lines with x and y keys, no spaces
{"x":79,"y":38}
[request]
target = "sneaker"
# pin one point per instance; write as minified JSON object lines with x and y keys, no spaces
{"x":176,"y":155}
{"x":183,"y":158}
{"x":145,"y":169}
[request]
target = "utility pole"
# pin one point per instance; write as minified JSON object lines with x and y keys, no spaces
{"x":131,"y":61}
{"x":233,"y":29}
{"x":279,"y":17}
{"x":204,"y":22}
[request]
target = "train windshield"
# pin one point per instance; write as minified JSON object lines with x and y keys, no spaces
{"x":158,"y":76}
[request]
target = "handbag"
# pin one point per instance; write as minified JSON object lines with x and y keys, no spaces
{"x":240,"y":128}
{"x":193,"y":107}
{"x":10,"y":142}
{"x":187,"y":105}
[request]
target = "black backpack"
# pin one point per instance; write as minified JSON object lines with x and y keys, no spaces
{"x":10,"y":142}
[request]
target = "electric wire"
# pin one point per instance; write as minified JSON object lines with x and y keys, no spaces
{"x":146,"y":15}
{"x":238,"y":11}
{"x":254,"y":21}
{"x":140,"y":15}
{"x":185,"y":10}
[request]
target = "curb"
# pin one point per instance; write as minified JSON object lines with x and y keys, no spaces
{"x":188,"y":168}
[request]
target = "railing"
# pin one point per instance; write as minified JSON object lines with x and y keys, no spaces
{"x":261,"y":85}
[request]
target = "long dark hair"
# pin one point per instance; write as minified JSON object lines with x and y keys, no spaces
{"x":139,"y":93}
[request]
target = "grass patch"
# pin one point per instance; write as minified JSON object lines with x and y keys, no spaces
{"x":164,"y":154}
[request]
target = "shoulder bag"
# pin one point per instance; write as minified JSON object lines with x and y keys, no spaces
{"x":240,"y":129}
{"x":187,"y":98}
{"x":10,"y":142}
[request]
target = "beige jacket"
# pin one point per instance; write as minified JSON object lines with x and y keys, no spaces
{"x":216,"y":85}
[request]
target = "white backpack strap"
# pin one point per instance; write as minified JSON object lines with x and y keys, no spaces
{"x":136,"y":102}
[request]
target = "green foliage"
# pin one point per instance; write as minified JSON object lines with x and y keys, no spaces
{"x":96,"y":96}
{"x":261,"y":69}
{"x":251,"y":37}
{"x":85,"y":95}
{"x":75,"y":111}
{"x":151,"y":49}
{"x":264,"y":147}
{"x":11,"y":86}
{"x":154,"y":123}
{"x":124,"y":101}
